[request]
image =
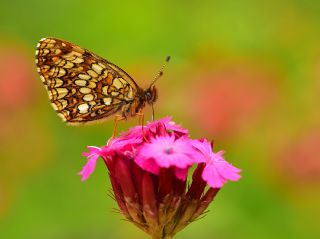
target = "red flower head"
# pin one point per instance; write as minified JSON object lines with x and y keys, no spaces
{"x":148,"y":168}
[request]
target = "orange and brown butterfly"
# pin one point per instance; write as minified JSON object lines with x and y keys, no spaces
{"x":84,"y":87}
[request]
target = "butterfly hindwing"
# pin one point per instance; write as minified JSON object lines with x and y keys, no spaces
{"x":82,"y":86}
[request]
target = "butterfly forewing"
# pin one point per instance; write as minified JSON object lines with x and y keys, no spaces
{"x":82,"y":86}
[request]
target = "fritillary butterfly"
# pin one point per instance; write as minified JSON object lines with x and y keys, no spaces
{"x":84,"y":87}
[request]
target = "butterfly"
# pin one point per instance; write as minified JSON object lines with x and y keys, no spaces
{"x":84,"y":87}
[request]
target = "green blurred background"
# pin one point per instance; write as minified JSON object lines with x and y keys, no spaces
{"x":244,"y":73}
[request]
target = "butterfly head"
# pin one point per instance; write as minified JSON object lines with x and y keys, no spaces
{"x":151,"y":95}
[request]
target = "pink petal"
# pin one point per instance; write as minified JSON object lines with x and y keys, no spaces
{"x":204,"y":148}
{"x":88,"y":169}
{"x":92,"y":151}
{"x":181,"y":173}
{"x":147,"y":164}
{"x":92,"y":155}
{"x":177,"y":160}
{"x":119,"y":144}
{"x":212,"y":177}
{"x":229,"y":172}
{"x":153,"y":125}
{"x":169,"y":125}
{"x":219,"y":171}
{"x":135,"y":134}
{"x":225,"y":169}
{"x":176,"y":128}
{"x":182,"y":154}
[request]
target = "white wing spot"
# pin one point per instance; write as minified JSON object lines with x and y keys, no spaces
{"x":77,"y":60}
{"x":62,"y":116}
{"x":84,"y":76}
{"x":92,"y":85}
{"x":57,"y":82}
{"x":61,"y":72}
{"x":117,"y":83}
{"x":105,"y":90}
{"x":83,"y":108}
{"x":85,"y":90}
{"x":107,"y":101}
{"x":88,"y":97}
{"x":54,"y":106}
{"x":62,"y":92}
{"x":97,"y":68}
{"x":81,"y":82}
{"x":68,"y":65}
{"x":92,"y":73}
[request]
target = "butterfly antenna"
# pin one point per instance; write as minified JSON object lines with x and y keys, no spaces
{"x":160,"y":73}
{"x":152,"y":112}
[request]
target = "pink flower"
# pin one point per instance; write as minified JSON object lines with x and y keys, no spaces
{"x":217,"y":171}
{"x":148,"y":168}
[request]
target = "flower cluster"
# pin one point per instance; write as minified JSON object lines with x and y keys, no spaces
{"x":148,"y":168}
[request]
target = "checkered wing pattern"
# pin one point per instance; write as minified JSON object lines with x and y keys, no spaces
{"x":82,"y":86}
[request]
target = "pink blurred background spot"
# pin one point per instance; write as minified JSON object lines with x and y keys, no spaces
{"x":231,"y":99}
{"x":17,"y":83}
{"x":300,"y":158}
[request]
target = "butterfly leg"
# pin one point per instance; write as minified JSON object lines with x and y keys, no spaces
{"x":141,"y":122}
{"x":116,"y":119}
{"x":141,"y":118}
